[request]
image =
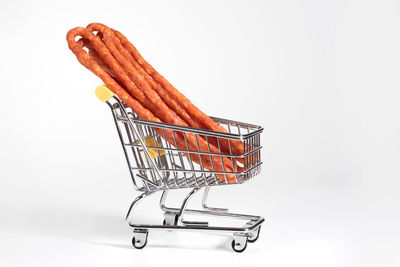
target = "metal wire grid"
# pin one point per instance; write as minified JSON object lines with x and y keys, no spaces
{"x":170,"y":168}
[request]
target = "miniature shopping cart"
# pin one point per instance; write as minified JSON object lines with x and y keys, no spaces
{"x":157,"y":165}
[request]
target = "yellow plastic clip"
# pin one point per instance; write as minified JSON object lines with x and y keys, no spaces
{"x":150,"y":141}
{"x":103,"y":93}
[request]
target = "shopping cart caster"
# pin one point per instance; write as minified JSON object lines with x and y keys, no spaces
{"x":170,"y":219}
{"x":139,"y":239}
{"x":253,"y":236}
{"x":239,"y":243}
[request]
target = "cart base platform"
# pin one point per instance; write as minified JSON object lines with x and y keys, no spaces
{"x":174,"y":220}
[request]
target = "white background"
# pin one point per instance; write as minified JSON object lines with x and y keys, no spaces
{"x":322,"y":77}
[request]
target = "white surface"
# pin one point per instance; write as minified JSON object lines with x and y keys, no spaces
{"x":322,"y":77}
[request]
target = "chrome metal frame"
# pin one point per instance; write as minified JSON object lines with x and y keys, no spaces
{"x":161,"y":166}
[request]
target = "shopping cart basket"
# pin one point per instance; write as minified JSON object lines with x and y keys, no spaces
{"x":157,"y":165}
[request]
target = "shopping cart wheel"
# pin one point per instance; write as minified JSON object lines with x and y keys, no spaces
{"x":239,"y":243}
{"x":254,"y":235}
{"x":139,"y":239}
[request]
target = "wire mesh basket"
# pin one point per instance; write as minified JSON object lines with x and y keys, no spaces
{"x":156,"y":164}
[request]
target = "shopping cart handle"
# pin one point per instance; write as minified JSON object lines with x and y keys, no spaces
{"x":103,"y":93}
{"x":153,"y":152}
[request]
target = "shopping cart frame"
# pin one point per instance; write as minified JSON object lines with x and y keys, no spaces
{"x":153,"y":174}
